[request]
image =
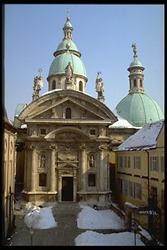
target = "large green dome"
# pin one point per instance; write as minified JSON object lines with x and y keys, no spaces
{"x":61,"y":61}
{"x":139,"y":109}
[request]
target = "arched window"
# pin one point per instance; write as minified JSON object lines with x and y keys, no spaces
{"x":68,"y":113}
{"x":135,"y":83}
{"x":91,"y":180}
{"x":141,"y":83}
{"x":80,"y":86}
{"x":54,"y":84}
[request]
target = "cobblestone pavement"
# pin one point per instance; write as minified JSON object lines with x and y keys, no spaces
{"x":64,"y":234}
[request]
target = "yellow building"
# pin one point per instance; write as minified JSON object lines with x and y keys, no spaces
{"x":8,"y":178}
{"x":140,"y":173}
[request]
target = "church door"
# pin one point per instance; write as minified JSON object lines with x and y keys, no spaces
{"x":67,"y":188}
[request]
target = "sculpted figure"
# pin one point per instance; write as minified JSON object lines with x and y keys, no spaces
{"x":43,"y":161}
{"x":69,"y":72}
{"x":92,"y":161}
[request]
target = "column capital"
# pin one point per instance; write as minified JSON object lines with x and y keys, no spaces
{"x":103,"y":147}
{"x":83,"y":146}
{"x":52,"y":146}
{"x":31,"y":147}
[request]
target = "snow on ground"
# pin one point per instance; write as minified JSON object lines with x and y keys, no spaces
{"x":40,"y":218}
{"x":90,"y":238}
{"x":90,"y":218}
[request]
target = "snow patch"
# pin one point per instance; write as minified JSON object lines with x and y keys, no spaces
{"x":90,"y":218}
{"x":40,"y":218}
{"x":90,"y":238}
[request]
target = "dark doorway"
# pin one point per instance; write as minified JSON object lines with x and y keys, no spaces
{"x":67,"y":188}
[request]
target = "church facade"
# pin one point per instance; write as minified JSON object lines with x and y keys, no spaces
{"x":66,"y":144}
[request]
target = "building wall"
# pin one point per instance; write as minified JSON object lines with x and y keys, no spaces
{"x":135,"y":183}
{"x":9,"y":177}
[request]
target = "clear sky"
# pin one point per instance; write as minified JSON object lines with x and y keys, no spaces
{"x":103,"y":34}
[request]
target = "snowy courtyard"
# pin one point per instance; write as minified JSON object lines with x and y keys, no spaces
{"x":88,"y":221}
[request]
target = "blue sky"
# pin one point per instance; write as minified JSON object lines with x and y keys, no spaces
{"x":103,"y":34}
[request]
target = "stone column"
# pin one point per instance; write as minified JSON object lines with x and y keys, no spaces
{"x":103,"y":172}
{"x":101,"y":167}
{"x":52,"y":168}
{"x":83,"y":167}
{"x":33,"y":168}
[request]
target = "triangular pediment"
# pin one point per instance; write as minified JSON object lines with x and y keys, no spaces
{"x":53,"y":106}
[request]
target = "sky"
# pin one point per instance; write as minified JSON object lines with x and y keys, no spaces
{"x":103,"y":34}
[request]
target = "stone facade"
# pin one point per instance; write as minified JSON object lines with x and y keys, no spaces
{"x":66,"y":147}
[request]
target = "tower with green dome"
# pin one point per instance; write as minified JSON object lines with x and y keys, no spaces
{"x":67,"y":70}
{"x":137,"y":107}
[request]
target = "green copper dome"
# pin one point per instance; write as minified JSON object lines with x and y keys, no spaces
{"x":67,"y":42}
{"x":61,"y":61}
{"x":136,"y":63}
{"x":139,"y":109}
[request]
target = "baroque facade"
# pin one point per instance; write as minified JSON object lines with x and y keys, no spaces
{"x":66,"y":141}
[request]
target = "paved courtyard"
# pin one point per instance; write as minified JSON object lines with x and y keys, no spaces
{"x":64,"y":234}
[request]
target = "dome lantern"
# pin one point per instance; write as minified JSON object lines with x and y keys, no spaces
{"x":136,"y":76}
{"x":68,"y":29}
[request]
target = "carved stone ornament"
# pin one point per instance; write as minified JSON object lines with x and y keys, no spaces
{"x":103,"y":147}
{"x":83,"y":147}
{"x":30,"y":147}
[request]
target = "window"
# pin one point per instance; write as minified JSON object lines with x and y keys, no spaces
{"x":91,"y":180}
{"x":153,"y":196}
{"x":120,"y":161}
{"x":128,"y":161}
{"x":137,"y":190}
{"x":137,"y":162}
{"x":141,"y":83}
{"x":42,"y":180}
{"x":54,"y":84}
{"x":162,"y":163}
{"x":43,"y":131}
{"x":125,"y":161}
{"x":124,"y":186}
{"x":130,"y":189}
{"x":92,"y":131}
{"x":135,"y":83}
{"x":80,"y":86}
{"x":154,"y":163}
{"x":68,"y":113}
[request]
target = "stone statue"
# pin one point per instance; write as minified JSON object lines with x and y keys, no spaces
{"x":38,"y":83}
{"x":134,"y":49}
{"x":69,"y":73}
{"x":91,"y":161}
{"x":99,"y":87}
{"x":43,"y":161}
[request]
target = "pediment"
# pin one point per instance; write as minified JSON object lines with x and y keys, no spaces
{"x":53,"y":106}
